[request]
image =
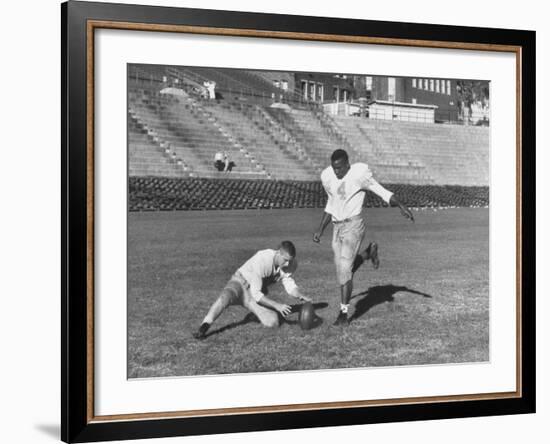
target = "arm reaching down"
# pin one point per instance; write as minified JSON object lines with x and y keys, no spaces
{"x":284,"y":309}
{"x":290,"y":284}
{"x":402,"y":207}
{"x":372,"y":185}
{"x":298,"y":295}
{"x":324,"y":222}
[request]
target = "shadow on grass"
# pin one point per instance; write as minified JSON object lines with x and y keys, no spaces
{"x":251,"y":317}
{"x":378,"y":295}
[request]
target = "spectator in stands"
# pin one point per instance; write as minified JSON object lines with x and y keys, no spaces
{"x":219,"y":163}
{"x":228,"y":163}
{"x":248,"y":287}
{"x":345,"y":186}
{"x":222,"y":162}
{"x":211,"y":89}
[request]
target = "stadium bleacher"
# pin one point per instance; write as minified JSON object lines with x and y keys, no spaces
{"x":244,"y":122}
{"x":168,"y":194}
{"x":174,"y":132}
{"x":147,"y":156}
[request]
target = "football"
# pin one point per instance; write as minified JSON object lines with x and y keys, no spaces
{"x":307,"y":316}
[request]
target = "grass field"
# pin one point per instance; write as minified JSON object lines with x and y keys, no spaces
{"x":428,"y":303}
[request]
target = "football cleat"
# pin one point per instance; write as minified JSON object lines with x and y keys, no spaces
{"x":199,"y":335}
{"x":342,"y":319}
{"x":201,"y":332}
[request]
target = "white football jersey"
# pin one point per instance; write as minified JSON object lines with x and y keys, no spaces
{"x":260,"y":268}
{"x":346,"y":195}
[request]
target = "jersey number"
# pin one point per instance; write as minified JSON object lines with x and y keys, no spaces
{"x":342,"y":191}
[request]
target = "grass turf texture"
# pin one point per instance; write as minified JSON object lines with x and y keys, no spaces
{"x":428,"y":303}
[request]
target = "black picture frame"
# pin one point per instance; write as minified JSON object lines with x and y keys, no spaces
{"x":78,"y":423}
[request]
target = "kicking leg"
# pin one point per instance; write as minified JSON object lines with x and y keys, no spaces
{"x":369,"y":253}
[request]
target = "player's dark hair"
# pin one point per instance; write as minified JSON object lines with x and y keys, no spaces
{"x":288,"y":247}
{"x":339,"y":154}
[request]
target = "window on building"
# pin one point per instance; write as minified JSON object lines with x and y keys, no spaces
{"x":414,"y":100}
{"x":437,"y":85}
{"x":336,"y":93}
{"x":320,"y":92}
{"x":414,"y":83}
{"x":284,"y":85}
{"x":368,"y":83}
{"x":431,"y":84}
{"x":448,"y":87}
{"x":426,"y":84}
{"x":304,"y":89}
{"x":311,"y":95}
{"x":391,"y":88}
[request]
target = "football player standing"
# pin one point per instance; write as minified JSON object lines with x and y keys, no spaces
{"x":346,"y":186}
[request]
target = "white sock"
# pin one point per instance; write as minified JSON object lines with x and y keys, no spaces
{"x":344,"y":308}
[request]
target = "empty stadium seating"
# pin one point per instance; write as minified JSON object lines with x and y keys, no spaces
{"x":191,"y":134}
{"x":168,"y":194}
{"x":249,"y":128}
{"x":417,"y":153}
{"x":147,"y":157}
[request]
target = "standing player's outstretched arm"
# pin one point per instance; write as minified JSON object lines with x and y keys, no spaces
{"x":371,"y":184}
{"x":402,"y":207}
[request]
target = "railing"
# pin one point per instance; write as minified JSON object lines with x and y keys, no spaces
{"x":387,"y":111}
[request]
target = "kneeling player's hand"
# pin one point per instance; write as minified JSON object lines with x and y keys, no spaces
{"x":305,"y":298}
{"x":316,"y":237}
{"x":284,"y":309}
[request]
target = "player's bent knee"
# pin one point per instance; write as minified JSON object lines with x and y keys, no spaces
{"x":226,"y":296}
{"x":271,"y":322}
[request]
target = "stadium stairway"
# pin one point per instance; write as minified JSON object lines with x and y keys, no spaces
{"x":210,"y":135}
{"x":420,"y":153}
{"x":389,"y":164}
{"x":191,"y":135}
{"x":146,"y":106}
{"x":308,"y":131}
{"x":287,"y":141}
{"x":148,"y":154}
{"x":253,"y":134}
